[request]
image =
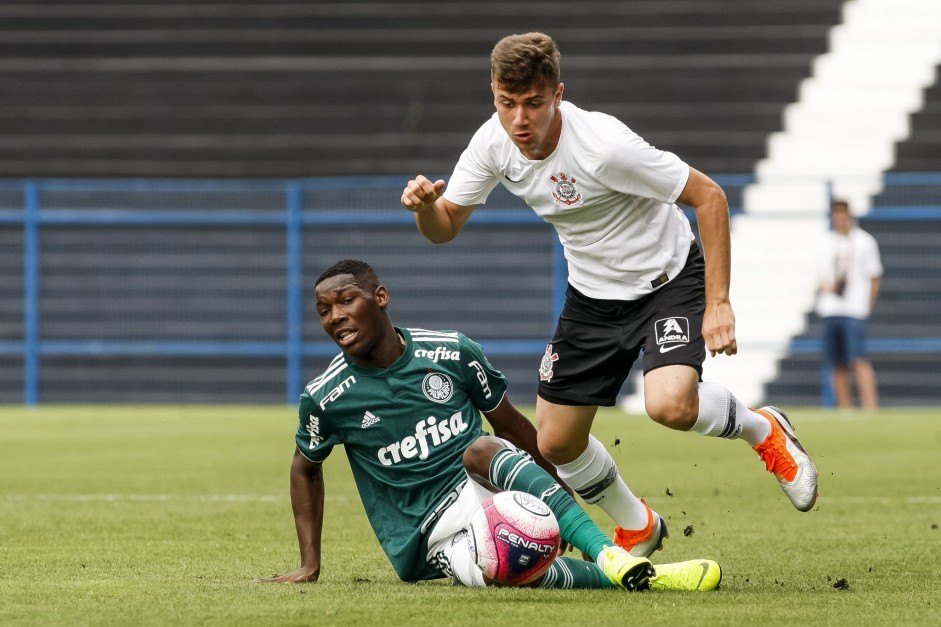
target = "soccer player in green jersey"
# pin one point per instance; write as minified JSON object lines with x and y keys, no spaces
{"x":406,"y":405}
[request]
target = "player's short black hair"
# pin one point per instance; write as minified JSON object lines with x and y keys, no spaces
{"x":361,"y":271}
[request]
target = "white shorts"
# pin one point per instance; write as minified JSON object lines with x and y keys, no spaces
{"x":450,"y":545}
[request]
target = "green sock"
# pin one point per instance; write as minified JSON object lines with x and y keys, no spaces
{"x":569,"y":573}
{"x":511,"y":471}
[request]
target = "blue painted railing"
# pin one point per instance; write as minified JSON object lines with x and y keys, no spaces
{"x":294,"y":218}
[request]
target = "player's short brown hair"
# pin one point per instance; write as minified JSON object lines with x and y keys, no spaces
{"x":521,"y":62}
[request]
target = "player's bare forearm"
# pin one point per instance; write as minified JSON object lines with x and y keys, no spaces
{"x":307,"y":502}
{"x":712,"y":216}
{"x":435,"y":223}
{"x":307,"y":499}
{"x":717,"y":250}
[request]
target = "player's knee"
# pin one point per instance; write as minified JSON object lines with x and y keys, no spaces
{"x":674,"y":411}
{"x":557,"y":451}
{"x":479,"y":454}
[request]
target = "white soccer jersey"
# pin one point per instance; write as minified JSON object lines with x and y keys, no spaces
{"x":609,"y":194}
{"x":856,"y":257}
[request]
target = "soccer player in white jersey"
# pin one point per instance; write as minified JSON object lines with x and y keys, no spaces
{"x":406,"y":405}
{"x":637,"y":280}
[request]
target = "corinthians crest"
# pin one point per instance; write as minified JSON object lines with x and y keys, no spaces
{"x":565,"y":191}
{"x":545,"y":366}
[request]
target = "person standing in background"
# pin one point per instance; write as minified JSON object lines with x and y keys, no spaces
{"x":850,"y":273}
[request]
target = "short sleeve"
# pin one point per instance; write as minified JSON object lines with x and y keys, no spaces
{"x":873,"y":260}
{"x":473,"y":178}
{"x":313,"y":438}
{"x":632,"y":166}
{"x":486,"y":385}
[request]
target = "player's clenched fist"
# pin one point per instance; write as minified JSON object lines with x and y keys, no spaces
{"x":420,"y":194}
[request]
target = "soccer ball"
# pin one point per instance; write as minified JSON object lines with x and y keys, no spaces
{"x":516,"y":536}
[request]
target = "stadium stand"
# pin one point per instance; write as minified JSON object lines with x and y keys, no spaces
{"x":904,"y":216}
{"x":287,"y":89}
{"x":280,"y":90}
{"x":904,"y":330}
{"x":919,"y":152}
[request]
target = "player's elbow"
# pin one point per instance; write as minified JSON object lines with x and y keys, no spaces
{"x":715,"y":195}
{"x":704,"y":194}
{"x":711,"y":197}
{"x":440,"y":239}
{"x":720,"y":197}
{"x":438,"y":236}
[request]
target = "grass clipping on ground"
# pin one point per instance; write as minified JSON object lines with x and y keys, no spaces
{"x":167,"y":515}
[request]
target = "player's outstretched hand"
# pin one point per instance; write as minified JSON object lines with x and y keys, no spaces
{"x":420,"y":194}
{"x":301,"y":575}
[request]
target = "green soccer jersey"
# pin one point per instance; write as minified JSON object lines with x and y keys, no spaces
{"x":405,"y":429}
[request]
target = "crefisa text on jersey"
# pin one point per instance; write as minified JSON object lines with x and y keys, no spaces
{"x":440,"y":352}
{"x":417,"y":445}
{"x":313,"y":428}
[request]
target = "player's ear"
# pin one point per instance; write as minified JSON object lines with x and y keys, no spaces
{"x":558,"y":93}
{"x":382,"y":296}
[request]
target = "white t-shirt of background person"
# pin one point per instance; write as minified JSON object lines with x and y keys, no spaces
{"x":856,"y":255}
{"x":609,"y":194}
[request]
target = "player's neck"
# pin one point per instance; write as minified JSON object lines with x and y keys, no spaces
{"x":385,"y":353}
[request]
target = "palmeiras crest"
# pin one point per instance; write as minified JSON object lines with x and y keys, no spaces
{"x":437,"y":387}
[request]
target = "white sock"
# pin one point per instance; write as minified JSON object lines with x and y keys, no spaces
{"x":721,"y":415}
{"x":594,"y":477}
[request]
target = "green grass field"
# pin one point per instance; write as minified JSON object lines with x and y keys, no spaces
{"x":166,"y":515}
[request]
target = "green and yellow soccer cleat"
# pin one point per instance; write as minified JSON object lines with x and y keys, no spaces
{"x":626,"y":570}
{"x":690,"y":576}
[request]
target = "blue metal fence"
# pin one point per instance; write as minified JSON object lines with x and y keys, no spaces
{"x":294,"y":217}
{"x":296,"y":208}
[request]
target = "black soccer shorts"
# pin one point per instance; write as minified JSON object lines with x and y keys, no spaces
{"x":597,"y":341}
